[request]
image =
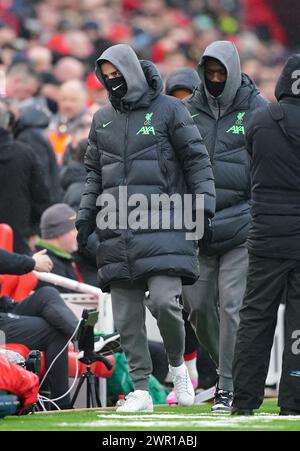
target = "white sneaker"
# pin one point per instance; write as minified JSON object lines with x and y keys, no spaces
{"x":137,"y":401}
{"x":183,"y":386}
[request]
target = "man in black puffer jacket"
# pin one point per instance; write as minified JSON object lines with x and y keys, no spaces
{"x":147,"y":142}
{"x":24,"y":194}
{"x":221,"y":108}
{"x":31,"y":129}
{"x":273,"y":140}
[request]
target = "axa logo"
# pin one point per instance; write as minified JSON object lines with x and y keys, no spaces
{"x":147,"y":128}
{"x":238,"y":127}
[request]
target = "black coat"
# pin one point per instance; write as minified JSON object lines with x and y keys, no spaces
{"x":31,"y":129}
{"x":24,"y":195}
{"x":275,"y":150}
{"x":149,"y":143}
{"x":72,"y":178}
{"x":224,"y":139}
{"x":13,"y":264}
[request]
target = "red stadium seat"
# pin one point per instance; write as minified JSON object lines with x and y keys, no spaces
{"x":98,"y":368}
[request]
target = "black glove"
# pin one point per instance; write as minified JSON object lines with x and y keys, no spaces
{"x":85,"y":229}
{"x":207,"y":235}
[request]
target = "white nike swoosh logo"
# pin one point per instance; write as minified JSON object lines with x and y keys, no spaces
{"x":117,"y":87}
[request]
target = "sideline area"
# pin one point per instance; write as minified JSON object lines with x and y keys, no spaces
{"x":164,"y":418}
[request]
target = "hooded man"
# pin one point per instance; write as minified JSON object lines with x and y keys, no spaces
{"x":145,"y":143}
{"x":221,"y":107}
{"x":273,"y":141}
{"x":181,"y":83}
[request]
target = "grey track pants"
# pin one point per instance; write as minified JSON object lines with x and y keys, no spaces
{"x":129,"y":318}
{"x":214,"y":302}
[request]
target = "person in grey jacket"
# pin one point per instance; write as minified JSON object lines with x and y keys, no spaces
{"x":221,"y":107}
{"x":182,"y":82}
{"x":148,"y":143}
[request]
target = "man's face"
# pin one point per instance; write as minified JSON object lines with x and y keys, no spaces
{"x":114,"y":81}
{"x":214,"y":71}
{"x":181,"y":93}
{"x":109,"y":71}
{"x":68,"y":241}
{"x":70,"y":102}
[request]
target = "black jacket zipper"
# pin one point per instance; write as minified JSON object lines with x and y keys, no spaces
{"x":125,"y":184}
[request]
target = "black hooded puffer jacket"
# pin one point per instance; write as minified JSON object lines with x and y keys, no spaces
{"x":148,"y":143}
{"x":223,"y":123}
{"x":274,"y":143}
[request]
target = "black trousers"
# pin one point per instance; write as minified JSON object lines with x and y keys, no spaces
{"x":44,"y":322}
{"x":269,"y":281}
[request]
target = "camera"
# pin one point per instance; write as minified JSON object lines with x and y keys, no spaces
{"x":33,"y":362}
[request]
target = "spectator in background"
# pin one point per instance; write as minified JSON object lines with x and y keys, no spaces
{"x":222,"y":107}
{"x":41,"y":58}
{"x":58,"y":237}
{"x":73,"y":176}
{"x":96,"y":93}
{"x":79,"y":133}
{"x":31,"y":129}
{"x":71,"y":108}
{"x":24,"y":194}
{"x":50,"y":90}
{"x":22,"y":81}
{"x":67,"y":69}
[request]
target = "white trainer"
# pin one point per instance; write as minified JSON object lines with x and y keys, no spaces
{"x":183,"y":386}
{"x":137,"y":401}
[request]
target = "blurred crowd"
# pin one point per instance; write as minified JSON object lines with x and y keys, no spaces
{"x":48,"y":50}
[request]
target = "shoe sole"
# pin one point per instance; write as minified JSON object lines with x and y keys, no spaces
{"x":186,"y":404}
{"x":135,"y":411}
{"x":221,"y":410}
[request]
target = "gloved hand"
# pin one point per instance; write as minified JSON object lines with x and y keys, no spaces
{"x":207,"y":235}
{"x":85,"y":229}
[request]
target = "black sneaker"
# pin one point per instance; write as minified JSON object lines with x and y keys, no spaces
{"x":245,"y":412}
{"x":222,"y":401}
{"x":285,"y":412}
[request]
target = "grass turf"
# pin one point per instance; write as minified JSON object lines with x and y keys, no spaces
{"x":164,"y":418}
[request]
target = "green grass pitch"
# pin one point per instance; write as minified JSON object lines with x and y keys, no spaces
{"x":164,"y":418}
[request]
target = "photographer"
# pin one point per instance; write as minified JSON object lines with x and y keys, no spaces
{"x":41,"y":321}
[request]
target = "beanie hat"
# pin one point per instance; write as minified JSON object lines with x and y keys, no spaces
{"x":57,"y":220}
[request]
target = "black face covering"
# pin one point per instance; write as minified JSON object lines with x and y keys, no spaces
{"x":117,"y":87}
{"x":215,"y":88}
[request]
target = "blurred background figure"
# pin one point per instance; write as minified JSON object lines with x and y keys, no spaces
{"x":24,"y":195}
{"x":72,"y":105}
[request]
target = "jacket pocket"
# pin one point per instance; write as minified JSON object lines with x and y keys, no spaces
{"x":164,"y":168}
